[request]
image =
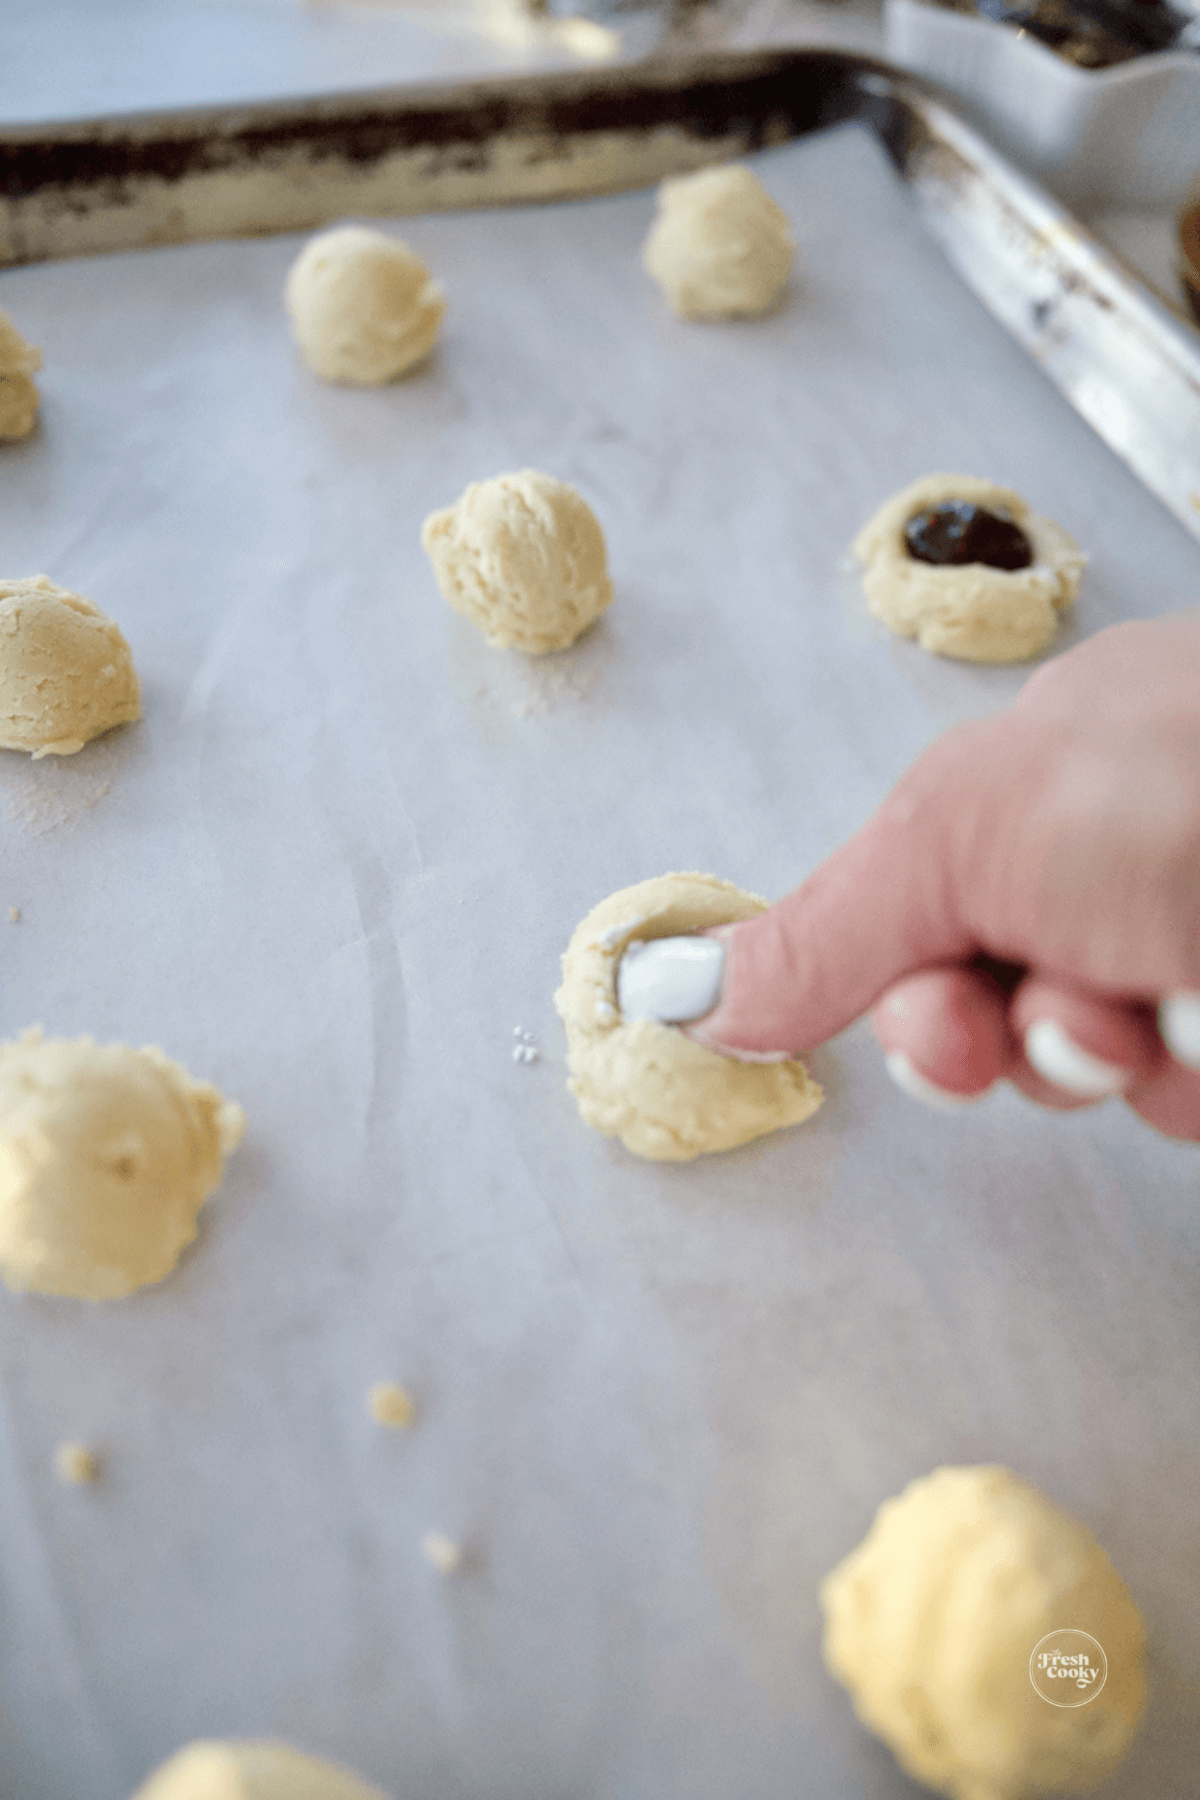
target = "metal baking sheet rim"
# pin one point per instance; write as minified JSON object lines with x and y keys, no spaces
{"x":128,"y":181}
{"x":1123,"y":360}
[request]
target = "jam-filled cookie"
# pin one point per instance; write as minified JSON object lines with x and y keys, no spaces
{"x":964,"y":567}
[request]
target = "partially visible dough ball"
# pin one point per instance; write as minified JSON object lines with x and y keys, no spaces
{"x":252,"y":1769}
{"x":932,"y":1621}
{"x":66,"y":674}
{"x":364,"y":307}
{"x":720,"y":247}
{"x":522,"y":556}
{"x":663,"y":1095}
{"x":968,"y":610}
{"x":19,"y":362}
{"x":107,"y":1155}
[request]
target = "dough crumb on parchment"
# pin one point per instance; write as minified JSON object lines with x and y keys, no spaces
{"x":45,"y":804}
{"x":934,"y":1624}
{"x":76,"y":1465}
{"x":968,"y":610}
{"x":445,"y":1555}
{"x":521,"y":556}
{"x":665,"y":1096}
{"x":391,"y":1405}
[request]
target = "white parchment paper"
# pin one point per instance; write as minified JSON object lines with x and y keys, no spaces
{"x":334,"y":868}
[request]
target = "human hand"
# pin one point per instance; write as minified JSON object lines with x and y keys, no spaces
{"x":1025,"y":904}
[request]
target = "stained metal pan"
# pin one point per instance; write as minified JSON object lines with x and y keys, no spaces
{"x":1127,"y":364}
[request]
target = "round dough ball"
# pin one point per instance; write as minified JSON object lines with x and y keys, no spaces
{"x":66,"y":674}
{"x":19,"y":361}
{"x":720,"y":248}
{"x":663,"y":1095}
{"x":364,"y":307}
{"x":522,"y":556}
{"x":932,"y":1621}
{"x":252,"y":1769}
{"x":968,"y":610}
{"x":107,"y":1155}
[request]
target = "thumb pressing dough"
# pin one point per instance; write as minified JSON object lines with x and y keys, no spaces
{"x":19,"y":362}
{"x":252,"y":1769}
{"x":523,"y":557}
{"x":107,"y":1155}
{"x":932,"y":1621}
{"x":66,"y":674}
{"x":968,"y":610}
{"x":720,"y":247}
{"x":364,"y":307}
{"x":663,"y":1095}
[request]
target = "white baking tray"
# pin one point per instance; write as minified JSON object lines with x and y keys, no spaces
{"x":335,"y":866}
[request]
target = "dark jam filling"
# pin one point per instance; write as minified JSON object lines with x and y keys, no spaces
{"x":958,"y":532}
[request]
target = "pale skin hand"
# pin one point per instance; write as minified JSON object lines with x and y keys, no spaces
{"x":1063,"y":837}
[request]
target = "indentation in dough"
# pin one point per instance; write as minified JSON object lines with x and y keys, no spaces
{"x":968,"y":610}
{"x":665,"y":1096}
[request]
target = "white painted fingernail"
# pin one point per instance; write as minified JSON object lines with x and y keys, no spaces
{"x":1179,"y":1026}
{"x":917,"y":1087}
{"x":670,"y":979}
{"x":1059,"y":1059}
{"x":699,"y":1034}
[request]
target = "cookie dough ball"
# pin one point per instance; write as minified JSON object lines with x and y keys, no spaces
{"x":961,"y":608}
{"x":522,"y":556}
{"x":107,"y":1155}
{"x":252,"y":1769}
{"x":19,"y":363}
{"x":720,"y":248}
{"x":364,"y":307}
{"x":664,"y":1096}
{"x":931,"y":1623}
{"x":66,"y":674}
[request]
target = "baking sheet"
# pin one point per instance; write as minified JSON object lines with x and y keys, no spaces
{"x":334,"y":868}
